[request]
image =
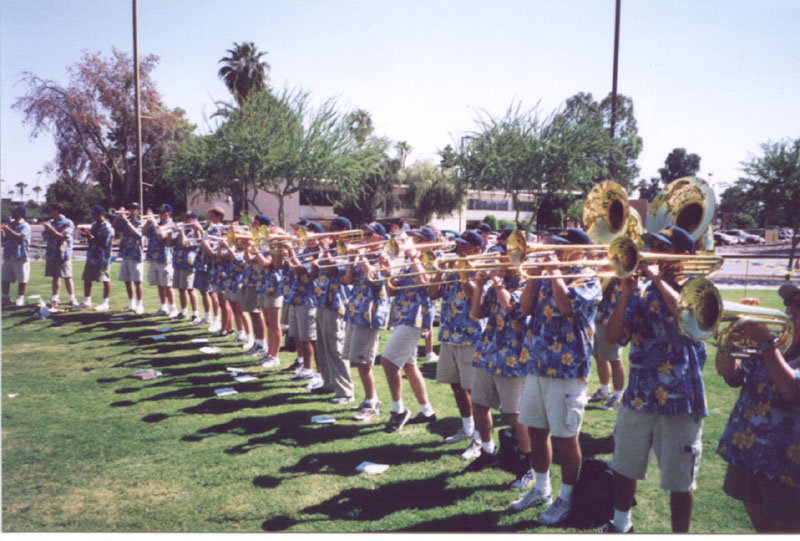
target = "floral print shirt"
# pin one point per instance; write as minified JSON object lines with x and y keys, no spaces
{"x":412,"y":307}
{"x":456,"y":325}
{"x":368,"y":304}
{"x":17,"y":250}
{"x":611,"y":294}
{"x":157,"y":251}
{"x":763,"y":431}
{"x":501,"y":343}
{"x":666,"y":367}
{"x":99,"y":251}
{"x":57,"y":249}
{"x":298,"y":289}
{"x":130,"y":244}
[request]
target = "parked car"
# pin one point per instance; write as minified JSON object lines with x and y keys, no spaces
{"x":785,"y":234}
{"x":723,"y":239}
{"x":746,"y":238}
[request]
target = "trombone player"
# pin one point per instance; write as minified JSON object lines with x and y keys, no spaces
{"x":128,"y":229}
{"x":761,"y":441}
{"x":664,"y":403}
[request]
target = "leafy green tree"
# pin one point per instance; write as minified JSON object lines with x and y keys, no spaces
{"x":738,"y":199}
{"x":243,"y":71}
{"x":359,"y":122}
{"x":93,"y":122}
{"x":773,"y":179}
{"x":77,"y":198}
{"x":491,"y":219}
{"x":403,"y":150}
{"x":37,"y":190}
{"x":432,"y":191}
{"x":374,"y":196}
{"x":678,"y":164}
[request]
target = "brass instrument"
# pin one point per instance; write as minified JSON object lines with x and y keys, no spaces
{"x":699,"y":309}
{"x":350,"y":235}
{"x":688,"y":203}
{"x":733,"y":339}
{"x":605,"y":212}
{"x":113,"y":213}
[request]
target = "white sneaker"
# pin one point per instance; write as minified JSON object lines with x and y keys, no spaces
{"x":271,"y":362}
{"x":248,"y":345}
{"x":129,"y":309}
{"x":85,"y":304}
{"x":316,"y":382}
{"x":102,"y":307}
{"x":139,"y":310}
{"x":161,"y":312}
{"x":302,"y":375}
{"x":432,"y":356}
{"x":173,"y":312}
{"x":73,"y":301}
{"x":533,"y":498}
{"x":214,"y":327}
{"x":473,"y":451}
{"x":523,"y":481}
{"x":206,"y":320}
{"x":20,"y":301}
{"x":556,"y":513}
{"x":458,"y":436}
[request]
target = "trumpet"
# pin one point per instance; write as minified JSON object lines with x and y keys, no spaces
{"x":113,"y":213}
{"x":733,"y":338}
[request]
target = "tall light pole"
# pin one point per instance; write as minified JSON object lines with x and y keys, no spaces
{"x":616,"y":63}
{"x":138,"y":103}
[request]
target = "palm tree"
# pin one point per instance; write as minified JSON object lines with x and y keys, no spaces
{"x":21,"y":186}
{"x":37,"y":190}
{"x":244,"y":71}
{"x":360,"y":124}
{"x":403,"y":150}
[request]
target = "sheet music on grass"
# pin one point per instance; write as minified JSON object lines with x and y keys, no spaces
{"x":225,"y":391}
{"x":146,"y":374}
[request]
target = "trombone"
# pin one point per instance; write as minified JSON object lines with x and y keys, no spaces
{"x":114,"y":213}
{"x":351,"y":235}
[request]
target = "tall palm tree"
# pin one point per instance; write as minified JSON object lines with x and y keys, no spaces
{"x":360,"y":124}
{"x":244,"y":71}
{"x":37,"y":190}
{"x":403,"y":150}
{"x":21,"y":186}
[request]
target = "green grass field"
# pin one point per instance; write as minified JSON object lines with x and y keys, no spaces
{"x":86,"y":447}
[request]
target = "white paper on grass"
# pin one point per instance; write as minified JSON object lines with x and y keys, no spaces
{"x":13,"y":395}
{"x":372,"y":468}
{"x":159,"y":337}
{"x":210,"y":349}
{"x":323,"y":419}
{"x":34,"y":296}
{"x":163,"y":329}
{"x":244,"y":378}
{"x":225,"y":391}
{"x":199,"y":340}
{"x":146,"y":374}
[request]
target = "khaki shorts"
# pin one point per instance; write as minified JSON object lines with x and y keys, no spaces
{"x":16,"y":271}
{"x":498,"y":392}
{"x":269,"y":301}
{"x":455,"y":364}
{"x":183,"y":279}
{"x":93,"y":273}
{"x":553,"y":404}
{"x":674,"y":439}
{"x":303,"y":322}
{"x":248,"y":302}
{"x":602,"y":349}
{"x":361,"y":344}
{"x":130,"y":271}
{"x":402,"y":346}
{"x":62,"y":269}
{"x":233,"y":296}
{"x":777,"y":500}
{"x":159,"y":274}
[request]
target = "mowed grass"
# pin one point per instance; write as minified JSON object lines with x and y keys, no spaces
{"x":85,"y":447}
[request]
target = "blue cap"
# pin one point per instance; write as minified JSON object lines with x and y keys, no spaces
{"x":301,"y":221}
{"x":20,"y":209}
{"x":97,"y":209}
{"x":376,"y":228}
{"x":485,"y":228}
{"x":470,"y":237}
{"x":191,"y":214}
{"x":426,"y":233}
{"x":570,"y":235}
{"x":263,"y":219}
{"x":136,"y":206}
{"x":166,"y":207}
{"x":340,"y":223}
{"x":314,"y":227}
{"x":674,"y":236}
{"x":506,"y":232}
{"x":500,"y":248}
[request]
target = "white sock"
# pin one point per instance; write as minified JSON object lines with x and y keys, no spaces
{"x":164,"y":308}
{"x":622,"y":520}
{"x":133,"y":303}
{"x":426,"y":410}
{"x":250,"y":338}
{"x":173,"y":307}
{"x":55,"y":298}
{"x":261,"y":344}
{"x":87,"y":300}
{"x":398,"y":407}
{"x":488,"y":446}
{"x":300,"y":360}
{"x":469,"y":425}
{"x":542,"y":481}
{"x":372,"y":401}
{"x":105,"y":300}
{"x":606,"y":389}
{"x":140,"y":302}
{"x":566,"y":492}
{"x":195,"y":314}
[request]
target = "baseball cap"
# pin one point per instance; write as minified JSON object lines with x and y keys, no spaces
{"x":340,"y":223}
{"x":97,"y":209}
{"x":485,"y":228}
{"x":166,"y":207}
{"x":787,"y":292}
{"x":20,"y":209}
{"x":470,"y":237}
{"x":136,"y":206}
{"x":673,"y":236}
{"x":425,"y":232}
{"x":506,"y":232}
{"x":191,"y":214}
{"x":263,"y":219}
{"x":376,"y":228}
{"x":314,"y":227}
{"x":570,"y":235}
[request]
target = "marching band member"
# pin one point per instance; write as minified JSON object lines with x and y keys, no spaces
{"x":367,"y":314}
{"x":558,"y":349}
{"x":331,"y":299}
{"x":217,"y":277}
{"x":58,"y":233}
{"x":664,"y":404}
{"x":499,"y":373}
{"x":459,"y":336}
{"x":485,"y":231}
{"x":254,"y":278}
{"x":16,"y":264}
{"x":185,"y":254}
{"x":299,"y":296}
{"x":270,"y":297}
{"x":128,"y":229}
{"x":206,"y":273}
{"x":412,"y":313}
{"x":98,"y":258}
{"x":761,"y":441}
{"x":608,"y":356}
{"x":234,"y":282}
{"x":159,"y":259}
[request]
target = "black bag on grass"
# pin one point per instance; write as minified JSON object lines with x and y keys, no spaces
{"x":593,"y":496}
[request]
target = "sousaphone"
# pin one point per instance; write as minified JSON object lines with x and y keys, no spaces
{"x":688,"y":203}
{"x":605,"y":212}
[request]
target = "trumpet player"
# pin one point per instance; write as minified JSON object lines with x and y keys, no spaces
{"x":98,"y":258}
{"x":185,"y":255}
{"x":58,"y":233}
{"x":159,"y":259}
{"x":205,"y":272}
{"x":254,"y":275}
{"x":269,"y":297}
{"x":16,"y":266}
{"x":761,"y":440}
{"x":557,"y":352}
{"x":128,"y":229}
{"x":664,"y":404}
{"x":459,"y":336}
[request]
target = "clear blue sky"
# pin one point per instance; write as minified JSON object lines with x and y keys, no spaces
{"x":717,"y":77}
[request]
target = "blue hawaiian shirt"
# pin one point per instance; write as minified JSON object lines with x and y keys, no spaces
{"x":560,"y":346}
{"x":236,"y":273}
{"x":665,"y":366}
{"x":456,"y":325}
{"x":204,"y":261}
{"x":157,"y":251}
{"x":412,"y":307}
{"x":57,"y":249}
{"x":17,"y":250}
{"x":274,"y":280}
{"x":183,"y":257}
{"x":368,"y":305}
{"x":501,"y":345}
{"x":130,"y":244}
{"x":99,"y":251}
{"x":763,"y":431}
{"x":331,"y":292}
{"x":611,"y":294}
{"x":299,"y":288}
{"x":254,"y":275}
{"x":218,"y":271}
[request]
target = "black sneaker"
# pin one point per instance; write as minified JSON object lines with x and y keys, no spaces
{"x":321,"y":390}
{"x":397,"y":420}
{"x":609,"y":527}
{"x":484,"y":460}
{"x":293,"y":367}
{"x":420,"y":419}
